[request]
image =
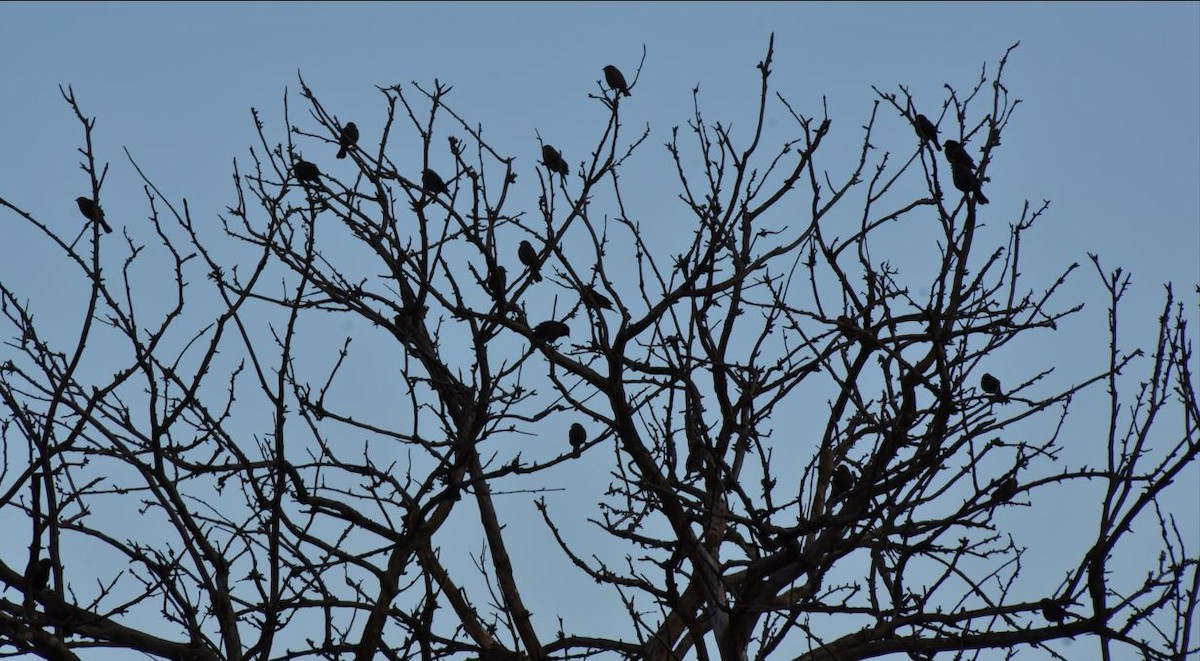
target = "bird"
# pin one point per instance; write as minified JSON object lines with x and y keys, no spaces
{"x":990,"y":384}
{"x":550,"y":331}
{"x":347,"y":139}
{"x":305,"y":171}
{"x":39,"y":575}
{"x":1052,"y":610}
{"x":497,"y":281}
{"x":615,"y":80}
{"x":92,"y":212}
{"x":528,"y":257}
{"x":431,"y":183}
{"x":577,"y":436}
{"x":554,"y":161}
{"x":593,"y":299}
{"x":843,"y":481}
{"x":1006,"y":490}
{"x":926,"y":131}
{"x":962,"y":169}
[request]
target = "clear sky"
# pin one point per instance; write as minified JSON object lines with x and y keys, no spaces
{"x":1108,"y":131}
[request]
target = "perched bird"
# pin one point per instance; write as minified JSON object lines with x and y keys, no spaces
{"x":528,"y":257}
{"x":39,"y":575}
{"x":962,"y":169}
{"x":990,"y":385}
{"x":431,"y":183}
{"x":593,"y":299}
{"x":1006,"y":490}
{"x":615,"y":80}
{"x":92,"y":212}
{"x":926,"y":131}
{"x":554,"y":161}
{"x":577,"y":435}
{"x":347,"y":139}
{"x":497,"y":281}
{"x":1052,"y":610}
{"x":305,"y":171}
{"x":843,"y":481}
{"x":550,"y":331}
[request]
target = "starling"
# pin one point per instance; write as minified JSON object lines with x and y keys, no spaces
{"x":550,"y":331}
{"x":305,"y":171}
{"x":843,"y":481}
{"x":956,"y":154}
{"x":1052,"y":610}
{"x":497,"y":281}
{"x":92,"y":212}
{"x":347,"y":139}
{"x":1006,"y":490}
{"x":966,"y":181}
{"x":990,"y":384}
{"x":615,"y":80}
{"x":593,"y":299}
{"x":528,"y":257}
{"x":39,"y":575}
{"x":431,"y":183}
{"x":554,"y":161}
{"x":926,"y":131}
{"x":578,"y":436}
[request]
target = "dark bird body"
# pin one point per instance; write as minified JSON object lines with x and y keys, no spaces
{"x":962,"y":170}
{"x":497,"y":281}
{"x":1052,"y":610}
{"x":432,"y":183}
{"x":92,"y":212}
{"x":990,"y":384}
{"x":528,"y":257}
{"x":926,"y":131}
{"x":550,"y":331}
{"x":347,"y":139}
{"x":577,"y":436}
{"x":1006,"y":490}
{"x":554,"y":161}
{"x":593,"y":299}
{"x":615,"y":80}
{"x":843,"y":482}
{"x":305,"y":171}
{"x":39,"y":575}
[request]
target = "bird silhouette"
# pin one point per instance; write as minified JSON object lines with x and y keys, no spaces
{"x":962,"y":170}
{"x":347,"y":139}
{"x":528,"y":257}
{"x":843,"y":481}
{"x":593,"y":299}
{"x":550,"y":331}
{"x":305,"y":171}
{"x":497,"y":281}
{"x":554,"y":161}
{"x":1006,"y":490}
{"x":926,"y":131}
{"x":39,"y":575}
{"x":92,"y":212}
{"x":577,"y":436}
{"x":990,"y":384}
{"x":615,"y":80}
{"x":1052,"y":610}
{"x":431,"y":183}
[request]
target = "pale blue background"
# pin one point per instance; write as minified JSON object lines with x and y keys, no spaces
{"x":1109,"y":129}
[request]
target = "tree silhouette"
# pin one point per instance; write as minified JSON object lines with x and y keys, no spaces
{"x":244,"y":487}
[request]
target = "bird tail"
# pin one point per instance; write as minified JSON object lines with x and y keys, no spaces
{"x":936,"y":145}
{"x":979,"y":197}
{"x":342,"y":152}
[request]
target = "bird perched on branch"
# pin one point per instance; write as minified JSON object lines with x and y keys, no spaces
{"x":577,"y":436}
{"x":528,"y":257}
{"x":305,"y":171}
{"x":1005,"y":490}
{"x":39,"y":575}
{"x":347,"y":139}
{"x":554,"y":161}
{"x":962,"y":170}
{"x":593,"y":299}
{"x":926,"y":131}
{"x":431,"y":183}
{"x":497,"y":281}
{"x":615,"y":80}
{"x":843,"y":482}
{"x":92,"y":212}
{"x":1052,"y":610}
{"x":551,"y":331}
{"x":991,"y":386}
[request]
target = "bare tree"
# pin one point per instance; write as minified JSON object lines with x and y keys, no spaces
{"x":247,"y":496}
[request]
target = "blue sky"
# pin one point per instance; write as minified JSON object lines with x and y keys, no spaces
{"x":1108,"y":131}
